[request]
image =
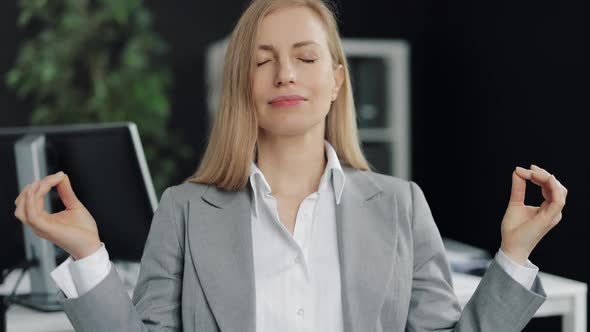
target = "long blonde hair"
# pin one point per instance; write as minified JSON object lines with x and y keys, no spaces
{"x":232,"y":144}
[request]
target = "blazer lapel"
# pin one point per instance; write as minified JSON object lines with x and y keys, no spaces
{"x":366,"y":240}
{"x":220,"y":242}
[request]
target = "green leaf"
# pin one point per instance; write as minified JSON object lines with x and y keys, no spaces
{"x":48,"y":72}
{"x":98,"y":61}
{"x":12,"y":77}
{"x":24,"y":18}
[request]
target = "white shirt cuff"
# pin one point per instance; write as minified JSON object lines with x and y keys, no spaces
{"x":76,"y":277}
{"x":523,"y":274}
{"x":63,"y":278}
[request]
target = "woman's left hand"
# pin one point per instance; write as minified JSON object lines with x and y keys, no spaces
{"x":524,"y":226}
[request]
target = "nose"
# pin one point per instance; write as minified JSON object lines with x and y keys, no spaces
{"x":285,"y":74}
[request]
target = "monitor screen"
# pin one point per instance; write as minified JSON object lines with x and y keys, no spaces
{"x":12,"y":250}
{"x":108,"y":173}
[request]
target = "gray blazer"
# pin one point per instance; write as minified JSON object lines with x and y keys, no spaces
{"x":197,"y":271}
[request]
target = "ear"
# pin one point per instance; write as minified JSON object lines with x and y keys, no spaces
{"x":338,"y":80}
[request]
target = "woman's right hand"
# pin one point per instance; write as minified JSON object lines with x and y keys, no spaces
{"x":73,"y":229}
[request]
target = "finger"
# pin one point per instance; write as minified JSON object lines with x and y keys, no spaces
{"x":557,"y":201}
{"x":541,"y":178}
{"x":19,"y":212}
{"x":67,"y":195}
{"x":517,"y":193}
{"x":546,"y":189}
{"x":556,"y":190}
{"x":22,"y":194}
{"x":523,"y":172}
{"x":563,"y":188}
{"x":49,"y":182}
{"x":32,"y":211}
{"x":537,"y":176}
{"x":552,"y":190}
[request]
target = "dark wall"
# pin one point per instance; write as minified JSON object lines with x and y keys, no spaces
{"x":505,"y":84}
{"x":188,"y":27}
{"x":495,"y":85}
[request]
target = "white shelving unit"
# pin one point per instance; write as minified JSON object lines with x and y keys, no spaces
{"x":394,"y":133}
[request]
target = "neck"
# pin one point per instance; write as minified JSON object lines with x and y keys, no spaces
{"x":292,"y":165}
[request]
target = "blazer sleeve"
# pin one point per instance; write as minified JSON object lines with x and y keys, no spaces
{"x":499,"y":303}
{"x":156,"y":298}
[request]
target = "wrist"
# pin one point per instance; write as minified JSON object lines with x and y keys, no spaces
{"x":516,"y":257}
{"x":87,"y":251}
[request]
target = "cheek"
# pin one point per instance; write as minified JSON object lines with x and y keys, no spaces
{"x":321,"y":85}
{"x":258,"y":88}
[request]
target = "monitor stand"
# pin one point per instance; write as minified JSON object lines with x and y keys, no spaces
{"x":32,"y":165}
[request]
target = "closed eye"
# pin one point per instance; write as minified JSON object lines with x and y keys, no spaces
{"x":304,"y":60}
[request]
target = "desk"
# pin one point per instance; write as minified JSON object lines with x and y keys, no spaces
{"x":565,"y":297}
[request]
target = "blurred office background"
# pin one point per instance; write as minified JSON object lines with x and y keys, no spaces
{"x":493,"y":86}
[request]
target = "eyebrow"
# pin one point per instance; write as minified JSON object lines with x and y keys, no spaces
{"x":296,"y":45}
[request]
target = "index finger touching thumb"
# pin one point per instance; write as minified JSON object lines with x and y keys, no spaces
{"x":66,"y":193}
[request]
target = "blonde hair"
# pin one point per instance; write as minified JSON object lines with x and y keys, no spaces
{"x":232,"y":144}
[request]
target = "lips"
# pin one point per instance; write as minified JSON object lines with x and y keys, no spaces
{"x":287,"y":100}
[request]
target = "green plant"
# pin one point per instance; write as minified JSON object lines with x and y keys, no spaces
{"x":95,"y":61}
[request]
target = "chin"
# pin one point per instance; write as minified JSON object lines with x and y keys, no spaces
{"x":289,"y":127}
{"x":286,"y":130}
{"x":290,"y":121}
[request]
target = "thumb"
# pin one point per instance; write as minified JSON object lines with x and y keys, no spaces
{"x":517,"y":193}
{"x":64,"y":188}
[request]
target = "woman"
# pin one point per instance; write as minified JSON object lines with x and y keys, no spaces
{"x":283,"y":227}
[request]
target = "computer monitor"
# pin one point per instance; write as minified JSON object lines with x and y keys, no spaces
{"x":12,"y":242}
{"x":108,"y":172}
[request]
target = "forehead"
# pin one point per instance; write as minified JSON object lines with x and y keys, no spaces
{"x":286,"y":26}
